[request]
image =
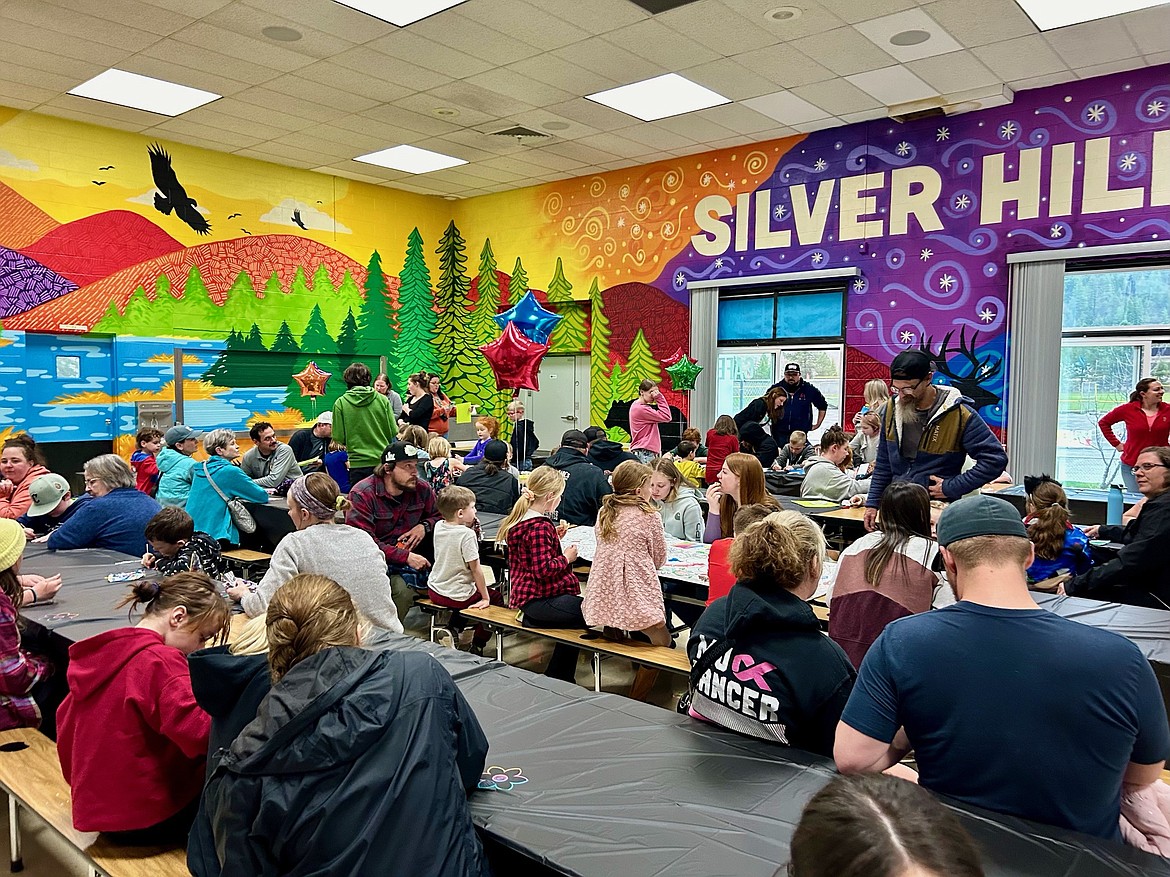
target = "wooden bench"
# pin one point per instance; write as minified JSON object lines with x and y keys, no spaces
{"x":30,"y":775}
{"x":500,"y":618}
{"x":244,"y":559}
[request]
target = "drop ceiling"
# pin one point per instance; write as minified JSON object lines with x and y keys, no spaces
{"x":353,"y":84}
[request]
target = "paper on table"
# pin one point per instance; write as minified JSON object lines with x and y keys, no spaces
{"x":817,"y":503}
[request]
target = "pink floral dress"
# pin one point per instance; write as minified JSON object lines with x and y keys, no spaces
{"x":623,"y":589}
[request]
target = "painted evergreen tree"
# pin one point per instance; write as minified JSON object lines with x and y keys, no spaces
{"x":322,"y":285}
{"x":640,"y":366}
{"x":241,"y":306}
{"x":194,"y":311}
{"x":136,"y":316}
{"x":414,"y":349}
{"x":519,"y":283}
{"x":300,"y":285}
{"x":272,"y":287}
{"x":485,"y":330}
{"x":253,"y":340}
{"x":599,"y":397}
{"x":570,"y":335}
{"x":111,"y":320}
{"x":348,"y":297}
{"x":218,"y":372}
{"x":316,"y":346}
{"x":617,"y":381}
{"x":316,"y":337}
{"x":284,"y":341}
{"x":347,"y":336}
{"x":466,"y":374}
{"x":374,"y":338}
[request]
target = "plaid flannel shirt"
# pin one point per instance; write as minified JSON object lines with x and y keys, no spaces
{"x":537,"y":567}
{"x":19,"y":672}
{"x":387,"y":518}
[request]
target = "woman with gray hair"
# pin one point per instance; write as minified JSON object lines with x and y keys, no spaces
{"x":115,"y":518}
{"x":215,"y":476}
{"x":347,"y":555}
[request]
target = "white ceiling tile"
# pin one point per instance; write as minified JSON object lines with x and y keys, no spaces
{"x":473,"y":97}
{"x":34,"y":37}
{"x":77,"y":25}
{"x":51,"y":109}
{"x":864,"y":116}
{"x":893,"y":85}
{"x":144,"y":16}
{"x":497,"y":175}
{"x":266,"y":99}
{"x":248,"y":21}
{"x":345,"y":79}
{"x":553,"y":161}
{"x":654,"y":135}
{"x":469,"y":36}
{"x":347,"y":173}
{"x":844,"y":51}
{"x":331,"y":18}
{"x":837,"y":97}
{"x":1094,"y":42}
{"x":784,"y":66}
{"x":236,"y":45}
{"x":1020,"y":58}
{"x":511,"y":84}
{"x":246,"y":112}
{"x":59,"y":82}
{"x":579,"y":152}
{"x":389,"y":132}
{"x":591,"y":114}
{"x":739,"y":118}
{"x":212,"y":117}
{"x":23,"y":97}
{"x":1157,"y":59}
{"x":601,"y":16}
{"x":977,"y":24}
{"x":563,"y":74}
{"x":181,"y":54}
{"x":1149,"y":28}
{"x":1093,"y":70}
{"x":730,"y":79}
{"x":409,"y":46}
{"x":814,"y":18}
{"x":852,"y":11}
{"x":69,"y":69}
{"x":955,"y":72}
{"x":273,"y":150}
{"x":484,"y":142}
{"x":408,"y":120}
{"x":110,"y":113}
{"x":615,"y":144}
{"x":469,"y":153}
{"x":319,"y":93}
{"x":527,"y":22}
{"x":881,"y":32}
{"x":609,"y":60}
{"x":693,"y":127}
{"x":225,"y":137}
{"x":309,"y":143}
{"x":160,"y":69}
{"x":786,"y":107}
{"x":194,"y":8}
{"x":1031,"y":82}
{"x":718,"y":27}
{"x":366,"y":62}
{"x":660,"y":44}
{"x":821,"y":124}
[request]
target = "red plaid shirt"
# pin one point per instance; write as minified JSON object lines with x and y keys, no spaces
{"x":19,"y":672}
{"x":387,"y":517}
{"x":537,"y":566}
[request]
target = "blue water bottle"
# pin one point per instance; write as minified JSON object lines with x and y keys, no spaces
{"x":1115,"y":505}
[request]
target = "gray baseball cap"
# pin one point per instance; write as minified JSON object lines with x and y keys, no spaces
{"x":46,"y":492}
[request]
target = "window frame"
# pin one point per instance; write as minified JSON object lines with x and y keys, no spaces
{"x":775,"y":291}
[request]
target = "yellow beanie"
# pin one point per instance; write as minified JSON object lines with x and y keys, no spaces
{"x":11,"y":543}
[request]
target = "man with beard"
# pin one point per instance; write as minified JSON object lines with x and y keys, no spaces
{"x":399,"y":511}
{"x":927,"y":434}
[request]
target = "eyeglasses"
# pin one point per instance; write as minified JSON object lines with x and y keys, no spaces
{"x":902,"y":391}
{"x":91,"y":481}
{"x":1146,"y":467}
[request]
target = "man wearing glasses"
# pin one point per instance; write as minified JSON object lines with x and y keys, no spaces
{"x":927,"y":434}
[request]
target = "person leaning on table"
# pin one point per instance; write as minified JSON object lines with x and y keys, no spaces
{"x":115,"y":518}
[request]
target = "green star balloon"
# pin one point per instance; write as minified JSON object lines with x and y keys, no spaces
{"x":683,"y":373}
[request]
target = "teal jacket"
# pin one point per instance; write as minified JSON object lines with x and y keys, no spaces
{"x":209,"y":512}
{"x":174,"y":483}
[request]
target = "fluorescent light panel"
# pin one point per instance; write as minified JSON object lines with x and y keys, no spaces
{"x":400,"y":12}
{"x":410,"y":159}
{"x":144,"y":93}
{"x":659,"y":98}
{"x":1051,"y":14}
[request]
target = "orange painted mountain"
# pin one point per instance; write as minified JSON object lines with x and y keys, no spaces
{"x":21,"y":221}
{"x":219,"y":263}
{"x":97,"y":246}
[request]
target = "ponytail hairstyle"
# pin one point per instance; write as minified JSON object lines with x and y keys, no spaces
{"x":1048,"y":505}
{"x":308,"y":614}
{"x":195,"y":591}
{"x":28,"y":444}
{"x":544,"y":482}
{"x":1136,"y":396}
{"x":673,"y":475}
{"x":783,"y":549}
{"x":628,"y":479}
{"x":832,"y":437}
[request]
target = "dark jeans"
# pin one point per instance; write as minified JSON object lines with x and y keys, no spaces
{"x":563,"y":610}
{"x":357,"y":473}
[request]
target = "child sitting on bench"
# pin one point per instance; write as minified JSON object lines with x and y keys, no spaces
{"x":177,"y":547}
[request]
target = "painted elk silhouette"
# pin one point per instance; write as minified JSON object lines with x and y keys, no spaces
{"x":982,"y":370}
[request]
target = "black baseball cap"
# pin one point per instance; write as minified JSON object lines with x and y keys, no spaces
{"x":792,"y":367}
{"x":911,"y":365}
{"x":979,"y":515}
{"x":400,"y":452}
{"x":574,"y":438}
{"x":593,"y":433}
{"x":496,"y":451}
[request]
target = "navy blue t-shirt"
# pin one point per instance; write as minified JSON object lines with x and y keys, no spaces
{"x":1018,"y":711}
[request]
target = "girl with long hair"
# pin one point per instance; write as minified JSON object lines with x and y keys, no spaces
{"x":740,"y":482}
{"x":21,"y":463}
{"x":419,"y":406}
{"x":674,"y":497}
{"x":722,"y":440}
{"x":1060,"y":546}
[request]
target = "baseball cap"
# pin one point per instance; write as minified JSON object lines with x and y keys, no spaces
{"x":911,"y":365}
{"x":46,"y":491}
{"x":792,"y":367}
{"x":574,"y":438}
{"x":496,"y":451}
{"x":979,"y":515}
{"x":593,"y":433}
{"x":326,"y":417}
{"x":179,"y":433}
{"x":400,"y":452}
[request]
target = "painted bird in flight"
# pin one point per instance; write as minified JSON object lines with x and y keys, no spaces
{"x":171,"y":195}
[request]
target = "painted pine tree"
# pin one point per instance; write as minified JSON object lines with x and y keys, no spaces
{"x":316,"y":338}
{"x":570,"y":335}
{"x":466,"y":373}
{"x":316,"y":346}
{"x":284,"y":342}
{"x":617,"y":381}
{"x":519,"y":282}
{"x":374,"y":338}
{"x":253,"y":340}
{"x":414,"y":349}
{"x":599,"y":396}
{"x":217,"y":373}
{"x":300,"y":285}
{"x":347,"y":335}
{"x":486,"y":330}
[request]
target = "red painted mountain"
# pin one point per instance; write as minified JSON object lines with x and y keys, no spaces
{"x":219,"y":262}
{"x":97,"y":246}
{"x":665,"y":322}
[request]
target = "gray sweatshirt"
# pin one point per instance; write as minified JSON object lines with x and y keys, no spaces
{"x":823,"y":480}
{"x":683,"y":518}
{"x":345,"y":554}
{"x":273,"y":470}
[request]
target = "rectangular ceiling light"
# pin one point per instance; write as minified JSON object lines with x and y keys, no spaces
{"x":1051,"y":14}
{"x":144,"y":93}
{"x":659,"y":98}
{"x":400,"y":12}
{"x":410,"y":159}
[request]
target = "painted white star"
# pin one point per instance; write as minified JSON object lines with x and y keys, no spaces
{"x":859,"y":284}
{"x":903,"y":148}
{"x":1055,"y":232}
{"x":1128,"y":161}
{"x":779,"y":211}
{"x":987,"y":315}
{"x":679,"y":279}
{"x":818,"y":258}
{"x":820,"y":164}
{"x":1095,"y":113}
{"x":668,"y":228}
{"x":943,"y":134}
{"x":621,"y":223}
{"x":731,"y":186}
{"x":1007,"y":130}
{"x":907,"y":337}
{"x":962,"y":202}
{"x":985,"y":370}
{"x":946,"y":282}
{"x":1155,"y":108}
{"x":718,"y":263}
{"x":706,"y":179}
{"x":926,"y":254}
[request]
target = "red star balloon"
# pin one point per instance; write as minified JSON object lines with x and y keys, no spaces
{"x":515,"y":359}
{"x":675,"y":357}
{"x":312,"y":381}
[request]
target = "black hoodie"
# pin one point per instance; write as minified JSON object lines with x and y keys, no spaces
{"x":762,"y":445}
{"x":358,"y":763}
{"x":606,"y":455}
{"x":782,"y":680}
{"x":585,"y":486}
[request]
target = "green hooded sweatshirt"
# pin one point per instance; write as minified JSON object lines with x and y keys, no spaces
{"x":364,"y":423}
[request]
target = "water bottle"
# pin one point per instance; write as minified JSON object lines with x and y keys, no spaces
{"x":1115,"y":506}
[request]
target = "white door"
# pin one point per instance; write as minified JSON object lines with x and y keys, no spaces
{"x":562,"y":403}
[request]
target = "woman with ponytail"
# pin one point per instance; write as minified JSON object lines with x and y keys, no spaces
{"x":131,"y":738}
{"x":624,"y":593}
{"x":347,"y":555}
{"x":1060,"y":546}
{"x":543,"y":584}
{"x":356,"y":759}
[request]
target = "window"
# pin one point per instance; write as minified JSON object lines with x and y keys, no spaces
{"x":744,"y":375}
{"x":766,"y":316}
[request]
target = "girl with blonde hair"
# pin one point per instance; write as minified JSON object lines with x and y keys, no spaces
{"x":674,"y":496}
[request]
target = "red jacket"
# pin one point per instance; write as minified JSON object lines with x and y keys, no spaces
{"x":718,"y":447}
{"x":131,"y":739}
{"x":719,"y":577}
{"x":1139,"y":435}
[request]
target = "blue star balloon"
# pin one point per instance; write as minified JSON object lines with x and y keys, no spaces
{"x":530,"y":318}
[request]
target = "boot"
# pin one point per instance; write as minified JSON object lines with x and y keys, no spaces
{"x":644,"y":680}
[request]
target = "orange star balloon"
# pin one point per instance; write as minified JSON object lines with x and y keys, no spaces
{"x":312,"y":381}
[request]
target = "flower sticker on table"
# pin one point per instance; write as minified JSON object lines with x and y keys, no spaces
{"x":502,"y":779}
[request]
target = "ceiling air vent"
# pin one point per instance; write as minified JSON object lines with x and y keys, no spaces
{"x":518,"y":131}
{"x":656,"y":6}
